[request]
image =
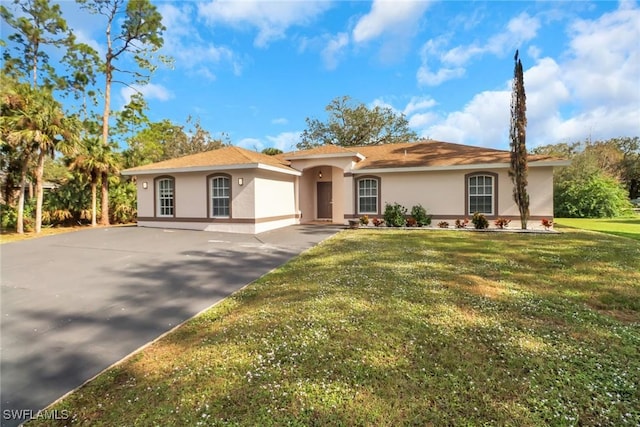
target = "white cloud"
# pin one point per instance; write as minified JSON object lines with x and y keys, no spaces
{"x":397,"y":17}
{"x":334,"y":50}
{"x":285,"y":141}
{"x":483,"y":121}
{"x":604,"y":60}
{"x":188,"y":47}
{"x":451,"y":62}
{"x":594,"y":91}
{"x":280,"y":121}
{"x":83,"y":37}
{"x":393,"y":24}
{"x":414,"y":111}
{"x":534,"y":52}
{"x":425,"y":75}
{"x":149,"y":91}
{"x":519,"y":30}
{"x":270,"y":18}
{"x":379,"y":102}
{"x":422,"y":120}
{"x":419,"y":103}
{"x":430,"y":78}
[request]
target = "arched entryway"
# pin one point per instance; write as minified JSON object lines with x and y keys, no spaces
{"x":321,"y":194}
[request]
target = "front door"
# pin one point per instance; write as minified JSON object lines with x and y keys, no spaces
{"x":324,"y":200}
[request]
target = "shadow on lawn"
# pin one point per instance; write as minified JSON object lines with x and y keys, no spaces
{"x":330,"y":340}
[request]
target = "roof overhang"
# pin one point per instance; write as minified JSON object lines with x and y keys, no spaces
{"x":544,"y":163}
{"x":211,"y":168}
{"x":324,"y":156}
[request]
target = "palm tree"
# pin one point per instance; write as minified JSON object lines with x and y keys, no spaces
{"x":57,"y":132}
{"x":39,"y":126}
{"x":15,"y":98}
{"x":94,"y":161}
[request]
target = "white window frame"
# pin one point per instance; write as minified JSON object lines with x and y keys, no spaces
{"x":213,"y":196}
{"x":375,"y":195}
{"x":481,"y":191}
{"x":166,"y":194}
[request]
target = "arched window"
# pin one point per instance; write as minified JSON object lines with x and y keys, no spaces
{"x":165,"y":196}
{"x":481,"y":193}
{"x":368,"y":195}
{"x":220,"y":193}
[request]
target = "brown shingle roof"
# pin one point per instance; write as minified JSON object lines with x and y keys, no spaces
{"x":323,"y":149}
{"x":417,"y":154}
{"x":427,"y":154}
{"x":221,"y":157}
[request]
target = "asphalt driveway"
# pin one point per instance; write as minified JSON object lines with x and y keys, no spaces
{"x":75,"y":303}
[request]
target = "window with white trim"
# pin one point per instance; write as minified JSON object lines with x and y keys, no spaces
{"x":481,"y":194}
{"x":165,"y":195}
{"x":220,"y":196}
{"x":368,"y":196}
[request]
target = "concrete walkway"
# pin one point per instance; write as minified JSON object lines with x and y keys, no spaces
{"x":75,"y":303}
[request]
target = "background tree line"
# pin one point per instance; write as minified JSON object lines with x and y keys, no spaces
{"x":56,"y":121}
{"x":600,"y":182}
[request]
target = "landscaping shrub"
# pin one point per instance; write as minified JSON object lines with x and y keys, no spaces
{"x":8,"y":217}
{"x":122,"y":202}
{"x":65,"y":204}
{"x":394,"y":215}
{"x":377,"y":222}
{"x":479,"y":221}
{"x":595,"y":196}
{"x":364,"y":220}
{"x":502,"y":222}
{"x":420,"y":215}
{"x":462,"y":223}
{"x":443,"y":224}
{"x":411,"y":222}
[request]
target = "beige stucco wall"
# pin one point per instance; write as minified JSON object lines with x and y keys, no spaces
{"x":267,"y":194}
{"x":442,"y":193}
{"x":348,"y":196}
{"x":337,"y":194}
{"x":190,"y":195}
{"x":307,"y":193}
{"x":343,"y":163}
{"x":145,"y":196}
{"x":243,"y":204}
{"x":274,"y":194}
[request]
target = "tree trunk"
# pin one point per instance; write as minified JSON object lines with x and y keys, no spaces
{"x":94,"y":196}
{"x":104,"y":220}
{"x":39,"y":190}
{"x":23,"y":184}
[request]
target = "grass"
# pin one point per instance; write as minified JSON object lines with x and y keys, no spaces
{"x":381,"y":327}
{"x":625,"y":227}
{"x":9,"y":236}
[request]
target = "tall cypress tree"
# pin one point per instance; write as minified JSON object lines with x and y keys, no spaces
{"x":517,"y":134}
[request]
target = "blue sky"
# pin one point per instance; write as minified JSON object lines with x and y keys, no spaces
{"x":256,"y":69}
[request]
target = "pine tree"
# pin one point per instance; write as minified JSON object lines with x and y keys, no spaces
{"x":134,"y":29}
{"x":517,"y":134}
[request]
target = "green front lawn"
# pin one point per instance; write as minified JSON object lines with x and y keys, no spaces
{"x":625,"y":227}
{"x":391,"y":327}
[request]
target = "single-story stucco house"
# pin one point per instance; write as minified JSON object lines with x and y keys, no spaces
{"x":237,"y":190}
